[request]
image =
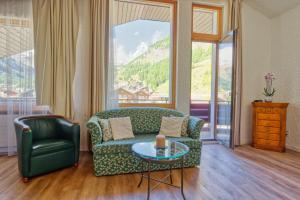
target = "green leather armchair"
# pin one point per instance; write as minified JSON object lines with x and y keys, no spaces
{"x":46,"y":143}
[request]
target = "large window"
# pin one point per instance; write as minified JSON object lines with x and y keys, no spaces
{"x":16,"y":63}
{"x":144,"y":52}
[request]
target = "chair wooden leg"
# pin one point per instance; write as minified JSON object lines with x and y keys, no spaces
{"x":76,"y":165}
{"x":25,"y":179}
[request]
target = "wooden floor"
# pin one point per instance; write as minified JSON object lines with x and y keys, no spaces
{"x":246,"y":173}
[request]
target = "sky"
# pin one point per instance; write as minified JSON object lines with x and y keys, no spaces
{"x":134,"y":38}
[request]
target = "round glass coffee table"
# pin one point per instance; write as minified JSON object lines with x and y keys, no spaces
{"x":174,"y":152}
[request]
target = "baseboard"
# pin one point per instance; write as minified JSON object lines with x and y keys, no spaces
{"x":293,"y":148}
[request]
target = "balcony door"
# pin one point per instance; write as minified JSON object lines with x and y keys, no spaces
{"x":224,"y":91}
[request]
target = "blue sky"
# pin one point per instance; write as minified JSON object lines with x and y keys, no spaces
{"x":133,"y":38}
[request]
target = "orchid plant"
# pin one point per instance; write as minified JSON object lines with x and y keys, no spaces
{"x":269,"y":91}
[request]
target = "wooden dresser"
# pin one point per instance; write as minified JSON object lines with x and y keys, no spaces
{"x":269,"y":125}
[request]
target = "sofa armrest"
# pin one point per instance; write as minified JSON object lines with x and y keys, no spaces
{"x":95,"y":130}
{"x":24,"y":146}
{"x":194,"y":127}
{"x":70,"y":131}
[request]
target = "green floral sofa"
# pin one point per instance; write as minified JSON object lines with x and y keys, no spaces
{"x":115,"y":156}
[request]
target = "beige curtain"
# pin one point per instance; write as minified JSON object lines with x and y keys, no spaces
{"x":55,"y":36}
{"x":234,"y":24}
{"x":90,"y":77}
{"x":99,"y":54}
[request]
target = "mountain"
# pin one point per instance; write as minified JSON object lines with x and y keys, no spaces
{"x":151,"y":69}
{"x":15,"y":72}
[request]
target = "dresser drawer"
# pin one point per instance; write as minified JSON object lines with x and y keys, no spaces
{"x":265,"y":129}
{"x":268,"y":123}
{"x":263,"y":116}
{"x":271,"y":143}
{"x":268,"y":110}
{"x":268,"y":136}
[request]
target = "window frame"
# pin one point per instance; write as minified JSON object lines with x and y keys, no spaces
{"x":203,"y":37}
{"x":173,"y":58}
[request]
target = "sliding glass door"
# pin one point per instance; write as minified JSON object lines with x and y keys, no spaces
{"x":224,"y":91}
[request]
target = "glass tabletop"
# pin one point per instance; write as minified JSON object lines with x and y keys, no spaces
{"x":172,"y":151}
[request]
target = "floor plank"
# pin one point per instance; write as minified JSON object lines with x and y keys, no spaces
{"x":245,"y":173}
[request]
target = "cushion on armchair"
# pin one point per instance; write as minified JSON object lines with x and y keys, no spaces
{"x":51,"y":145}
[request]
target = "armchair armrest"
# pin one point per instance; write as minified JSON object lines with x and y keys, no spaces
{"x":70,"y":131}
{"x":24,"y":146}
{"x":194,"y":127}
{"x":95,"y":130}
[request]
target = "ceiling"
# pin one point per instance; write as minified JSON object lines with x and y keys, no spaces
{"x":272,"y":8}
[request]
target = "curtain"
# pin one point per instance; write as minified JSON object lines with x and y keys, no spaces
{"x":91,"y":63}
{"x":55,"y":36}
{"x":98,"y":43}
{"x":234,"y":24}
{"x":112,"y":95}
{"x":17,"y":75}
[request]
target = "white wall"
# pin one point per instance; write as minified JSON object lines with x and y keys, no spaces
{"x":256,"y":42}
{"x":184,"y":56}
{"x":272,"y":45}
{"x":285,"y":63}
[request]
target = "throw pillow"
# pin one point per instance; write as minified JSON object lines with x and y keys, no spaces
{"x":171,"y":126}
{"x":184,"y":127}
{"x":121,"y":128}
{"x":106,"y":130}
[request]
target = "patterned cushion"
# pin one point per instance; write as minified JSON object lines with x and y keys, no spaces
{"x":124,"y":146}
{"x":143,"y":120}
{"x":106,"y":129}
{"x":171,"y":126}
{"x":121,"y":128}
{"x":185,"y":126}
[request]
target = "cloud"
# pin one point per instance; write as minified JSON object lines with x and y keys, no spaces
{"x":123,"y":57}
{"x":120,"y":55}
{"x":141,"y":48}
{"x":136,"y":33}
{"x":157,"y":35}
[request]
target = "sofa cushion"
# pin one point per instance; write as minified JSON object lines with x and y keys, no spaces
{"x":171,"y":126}
{"x":124,"y":146}
{"x":121,"y":128}
{"x":51,"y":145}
{"x":106,"y":129}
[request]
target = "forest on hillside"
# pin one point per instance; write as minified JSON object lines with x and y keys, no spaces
{"x":152,"y":69}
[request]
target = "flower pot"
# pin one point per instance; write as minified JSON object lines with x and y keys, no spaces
{"x":268,"y":99}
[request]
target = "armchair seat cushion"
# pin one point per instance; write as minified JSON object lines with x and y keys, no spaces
{"x":124,"y":146}
{"x":50,"y":145}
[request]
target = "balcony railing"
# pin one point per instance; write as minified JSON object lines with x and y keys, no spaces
{"x":20,"y":106}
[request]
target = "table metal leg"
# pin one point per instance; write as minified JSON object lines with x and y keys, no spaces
{"x":148,"y":194}
{"x":171,"y":179}
{"x":142,"y":175}
{"x":182,"y":178}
